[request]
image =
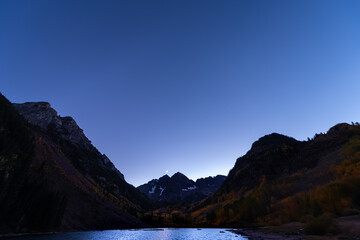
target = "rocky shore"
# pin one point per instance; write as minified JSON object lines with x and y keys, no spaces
{"x":258,"y":235}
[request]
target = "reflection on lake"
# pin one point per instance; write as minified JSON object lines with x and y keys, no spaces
{"x":143,"y":234}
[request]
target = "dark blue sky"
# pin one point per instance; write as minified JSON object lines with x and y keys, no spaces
{"x":184,"y":85}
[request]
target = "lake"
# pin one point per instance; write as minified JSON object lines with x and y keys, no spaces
{"x":143,"y":234}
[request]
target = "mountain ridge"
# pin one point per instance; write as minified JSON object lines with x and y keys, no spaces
{"x":280,"y":180}
{"x":53,"y":179}
{"x":178,"y":188}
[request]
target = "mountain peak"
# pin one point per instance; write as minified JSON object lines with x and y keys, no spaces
{"x":341,"y":127}
{"x":40,"y":114}
{"x":44,"y":116}
{"x":178,"y":174}
{"x":178,"y":187}
{"x":164,"y":177}
{"x":272,"y":140}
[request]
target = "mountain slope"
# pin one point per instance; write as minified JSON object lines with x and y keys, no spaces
{"x":281,"y":179}
{"x":53,"y":179}
{"x":179,"y":188}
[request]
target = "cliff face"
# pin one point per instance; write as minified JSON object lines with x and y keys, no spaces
{"x":53,"y":179}
{"x":41,"y":114}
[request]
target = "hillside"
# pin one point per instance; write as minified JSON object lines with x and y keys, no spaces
{"x":281,"y":180}
{"x":53,"y":179}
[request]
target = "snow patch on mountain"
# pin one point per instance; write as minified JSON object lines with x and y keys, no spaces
{"x":189,"y":188}
{"x":161,"y":191}
{"x":152,"y":191}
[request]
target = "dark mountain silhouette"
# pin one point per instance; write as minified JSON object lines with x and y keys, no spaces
{"x":53,"y":179}
{"x":282,"y":180}
{"x":179,"y":188}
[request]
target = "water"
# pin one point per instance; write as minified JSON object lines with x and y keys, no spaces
{"x":143,"y":234}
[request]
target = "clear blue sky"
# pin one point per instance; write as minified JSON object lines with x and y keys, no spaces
{"x":184,"y":85}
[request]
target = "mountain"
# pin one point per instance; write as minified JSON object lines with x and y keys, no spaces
{"x":280,"y":180}
{"x":209,"y":185}
{"x":53,"y":179}
{"x":179,"y":188}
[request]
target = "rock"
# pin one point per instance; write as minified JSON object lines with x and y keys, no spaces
{"x":41,"y":114}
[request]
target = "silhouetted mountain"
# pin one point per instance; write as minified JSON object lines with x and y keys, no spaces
{"x":281,"y":180}
{"x":53,"y":179}
{"x":209,"y":185}
{"x":179,"y":188}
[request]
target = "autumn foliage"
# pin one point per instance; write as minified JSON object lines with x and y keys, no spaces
{"x":325,"y":182}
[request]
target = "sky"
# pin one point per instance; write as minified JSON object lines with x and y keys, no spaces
{"x":165,"y":86}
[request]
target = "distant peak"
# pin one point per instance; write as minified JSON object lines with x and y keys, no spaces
{"x":178,"y":174}
{"x":164,"y":177}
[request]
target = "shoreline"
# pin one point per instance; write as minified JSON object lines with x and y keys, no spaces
{"x":17,"y":235}
{"x":259,"y":235}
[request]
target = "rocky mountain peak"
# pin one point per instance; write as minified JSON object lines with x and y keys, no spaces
{"x":163,"y":180}
{"x":41,"y":114}
{"x":178,"y":187}
{"x":164,"y":177}
{"x":38,"y":113}
{"x":271,"y":140}
{"x":179,"y":175}
{"x":44,"y":116}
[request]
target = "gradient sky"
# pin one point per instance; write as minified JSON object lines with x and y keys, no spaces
{"x":184,"y":85}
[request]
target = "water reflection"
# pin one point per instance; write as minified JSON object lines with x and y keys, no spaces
{"x":143,"y":234}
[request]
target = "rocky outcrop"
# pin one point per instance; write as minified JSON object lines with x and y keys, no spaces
{"x":41,"y":114}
